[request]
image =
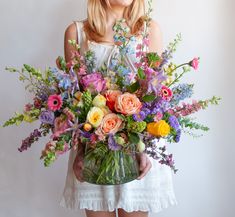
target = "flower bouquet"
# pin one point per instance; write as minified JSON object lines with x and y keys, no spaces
{"x":111,"y":113}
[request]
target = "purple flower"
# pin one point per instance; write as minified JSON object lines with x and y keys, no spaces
{"x":174,"y":122}
{"x":36,"y":133}
{"x":140,"y":116}
{"x":112,"y":143}
{"x":47,"y":117}
{"x":154,"y":79}
{"x":178,"y":134}
{"x":93,"y":82}
{"x":27,"y":142}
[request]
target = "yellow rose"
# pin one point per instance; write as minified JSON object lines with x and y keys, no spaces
{"x":159,"y":129}
{"x":99,"y":101}
{"x":95,"y":116}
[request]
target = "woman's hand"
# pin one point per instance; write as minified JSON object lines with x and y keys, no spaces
{"x":78,"y":166}
{"x":145,"y":165}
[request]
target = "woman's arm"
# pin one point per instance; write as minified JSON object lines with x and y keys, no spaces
{"x":70,"y":34}
{"x":155,"y":38}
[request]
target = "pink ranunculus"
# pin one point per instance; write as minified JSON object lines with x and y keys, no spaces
{"x":54,"y":102}
{"x":128,"y":104}
{"x":93,"y":82}
{"x":166,"y":93}
{"x":194,"y":63}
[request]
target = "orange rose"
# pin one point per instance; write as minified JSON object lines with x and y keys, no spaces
{"x":111,"y":123}
{"x":111,"y":96}
{"x":128,"y":104}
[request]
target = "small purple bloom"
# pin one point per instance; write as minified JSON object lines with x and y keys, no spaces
{"x":178,"y":134}
{"x":140,"y":116}
{"x":47,"y":117}
{"x":36,"y":133}
{"x":174,"y":122}
{"x":112,"y":143}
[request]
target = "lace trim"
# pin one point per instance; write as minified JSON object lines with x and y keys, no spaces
{"x":128,"y":206}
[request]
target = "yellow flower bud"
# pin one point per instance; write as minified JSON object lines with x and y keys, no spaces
{"x":87,"y":127}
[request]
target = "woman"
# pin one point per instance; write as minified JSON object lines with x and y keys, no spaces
{"x":153,"y":190}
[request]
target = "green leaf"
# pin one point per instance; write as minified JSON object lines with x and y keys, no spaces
{"x":62,"y":63}
{"x":153,"y":57}
{"x":134,"y":87}
{"x":134,"y":138}
{"x":149,"y":98}
{"x":141,"y":74}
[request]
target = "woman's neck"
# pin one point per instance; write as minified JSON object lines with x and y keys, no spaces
{"x":116,"y":13}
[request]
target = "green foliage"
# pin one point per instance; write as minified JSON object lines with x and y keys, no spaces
{"x":74,"y":44}
{"x":149,"y":98}
{"x":17,"y":119}
{"x":87,"y":100}
{"x":133,"y":137}
{"x":173,"y":45}
{"x":186,"y":122}
{"x":133,"y":87}
{"x":141,"y":74}
{"x":62,"y":63}
{"x":152,"y":58}
{"x":136,"y":127}
{"x":213,"y":101}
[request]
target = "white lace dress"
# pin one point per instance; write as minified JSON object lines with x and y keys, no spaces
{"x":152,"y":193}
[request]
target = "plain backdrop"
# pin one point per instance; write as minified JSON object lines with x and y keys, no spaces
{"x":32,"y":32}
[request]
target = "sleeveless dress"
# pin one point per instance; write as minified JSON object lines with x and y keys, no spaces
{"x":152,"y":193}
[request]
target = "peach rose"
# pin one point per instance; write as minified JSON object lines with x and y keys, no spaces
{"x":111,"y":96}
{"x":128,"y":104}
{"x":111,"y":123}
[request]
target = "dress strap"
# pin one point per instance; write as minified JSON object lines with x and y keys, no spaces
{"x":80,"y":33}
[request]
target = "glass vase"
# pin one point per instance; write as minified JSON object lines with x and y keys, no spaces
{"x":103,"y":166}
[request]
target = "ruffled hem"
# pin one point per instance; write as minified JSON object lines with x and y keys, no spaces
{"x":128,"y":206}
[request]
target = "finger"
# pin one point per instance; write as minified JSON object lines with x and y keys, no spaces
{"x":145,"y":170}
{"x":77,"y":169}
{"x":80,"y":165}
{"x":143,"y":162}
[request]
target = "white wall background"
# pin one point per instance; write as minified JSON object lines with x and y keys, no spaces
{"x":32,"y":32}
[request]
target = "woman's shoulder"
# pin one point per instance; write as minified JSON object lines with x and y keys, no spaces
{"x":72,"y":27}
{"x":154,"y":27}
{"x":71,"y":31}
{"x":155,"y":37}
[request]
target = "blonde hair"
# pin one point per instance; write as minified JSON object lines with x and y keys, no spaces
{"x":95,"y":26}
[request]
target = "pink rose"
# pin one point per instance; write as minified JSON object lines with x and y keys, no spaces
{"x":110,"y":124}
{"x":128,"y":104}
{"x":194,"y":63}
{"x":111,"y":96}
{"x":93,"y":82}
